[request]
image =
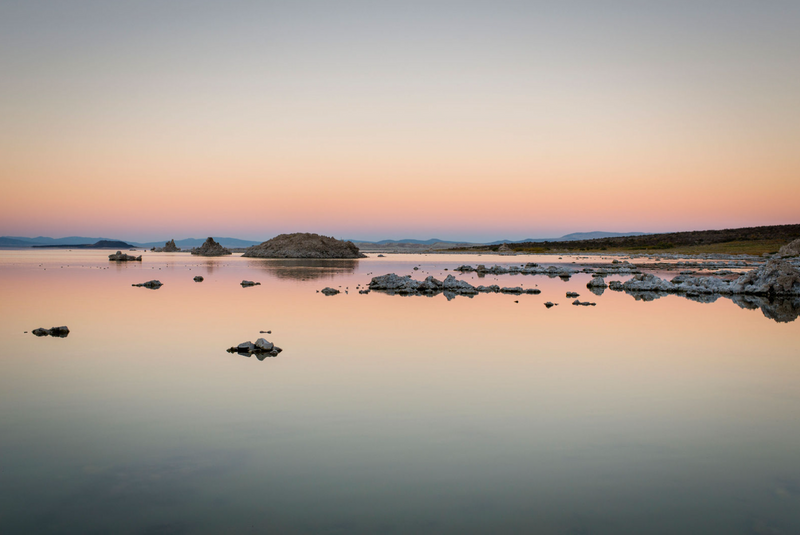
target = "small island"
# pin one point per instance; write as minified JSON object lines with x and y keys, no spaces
{"x":304,"y":245}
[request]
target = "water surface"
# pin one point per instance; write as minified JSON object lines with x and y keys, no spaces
{"x":384,"y":413}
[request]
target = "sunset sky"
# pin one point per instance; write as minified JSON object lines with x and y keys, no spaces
{"x":369,"y":120}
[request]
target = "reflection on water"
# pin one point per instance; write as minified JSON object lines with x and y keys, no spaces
{"x":780,"y":309}
{"x":304,"y":268}
{"x":386,"y":415}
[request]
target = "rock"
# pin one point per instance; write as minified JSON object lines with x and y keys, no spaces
{"x":597,"y":282}
{"x":509,"y":290}
{"x":210,"y":248}
{"x":246,"y":283}
{"x":790,"y":249}
{"x":153,"y":284}
{"x":572,"y":294}
{"x":381,"y":256}
{"x":549,"y":304}
{"x":504,"y":249}
{"x":776,"y":278}
{"x":363,"y":291}
{"x":264,"y":345}
{"x":58,"y":332}
{"x":303,"y":245}
{"x":198,"y":278}
{"x":396,"y":284}
{"x":330,"y":291}
{"x":262,"y":348}
{"x":169,"y":247}
{"x":119,"y":256}
{"x":583,"y":303}
{"x":534,"y":291}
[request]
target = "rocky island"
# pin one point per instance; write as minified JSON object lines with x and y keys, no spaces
{"x":303,"y":245}
{"x":210,"y":248}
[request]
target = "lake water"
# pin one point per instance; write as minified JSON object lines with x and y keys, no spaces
{"x":384,"y":413}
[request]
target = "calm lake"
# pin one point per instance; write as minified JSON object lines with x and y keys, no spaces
{"x":384,"y":414}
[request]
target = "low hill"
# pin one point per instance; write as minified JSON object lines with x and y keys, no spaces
{"x":747,"y":240}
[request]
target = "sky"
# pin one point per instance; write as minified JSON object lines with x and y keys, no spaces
{"x":371,"y":120}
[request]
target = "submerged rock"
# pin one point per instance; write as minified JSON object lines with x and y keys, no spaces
{"x":304,"y":245}
{"x":246,"y":283}
{"x":119,"y":256}
{"x":210,"y":248}
{"x":583,"y":303}
{"x":198,"y":278}
{"x":573,"y":294}
{"x":549,"y":304}
{"x":153,"y":284}
{"x":58,"y":332}
{"x":330,"y":291}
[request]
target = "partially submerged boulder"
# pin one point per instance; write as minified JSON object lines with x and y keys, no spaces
{"x":199,"y":278}
{"x":330,"y":291}
{"x":210,"y":248}
{"x":119,"y":256}
{"x":153,"y":284}
{"x":58,"y":332}
{"x":246,"y":283}
{"x":262,"y":348}
{"x":304,"y":245}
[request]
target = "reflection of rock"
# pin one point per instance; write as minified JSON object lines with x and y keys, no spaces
{"x":330,"y":291}
{"x":303,"y":245}
{"x":210,"y":248}
{"x":58,"y":332}
{"x":153,"y":284}
{"x":247,"y":283}
{"x":198,"y":278}
{"x":119,"y":256}
{"x":304,"y":268}
{"x":780,"y":309}
{"x":262,"y":348}
{"x":790,"y":249}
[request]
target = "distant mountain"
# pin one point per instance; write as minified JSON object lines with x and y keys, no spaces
{"x":101,"y":244}
{"x":19,"y":241}
{"x":598,"y":234}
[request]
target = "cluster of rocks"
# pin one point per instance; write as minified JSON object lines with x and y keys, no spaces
{"x":450,"y":286}
{"x":58,"y":332}
{"x":528,"y":269}
{"x":304,"y":245}
{"x":153,"y":284}
{"x":210,"y":248}
{"x":246,"y":283}
{"x":261,"y":348}
{"x":169,"y":247}
{"x":776,"y":278}
{"x":119,"y":256}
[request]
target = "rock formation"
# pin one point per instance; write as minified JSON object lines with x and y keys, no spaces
{"x":58,"y":332}
{"x":303,"y":245}
{"x":790,"y":249}
{"x":153,"y":284}
{"x":262,"y":348}
{"x":119,"y":256}
{"x":210,"y":248}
